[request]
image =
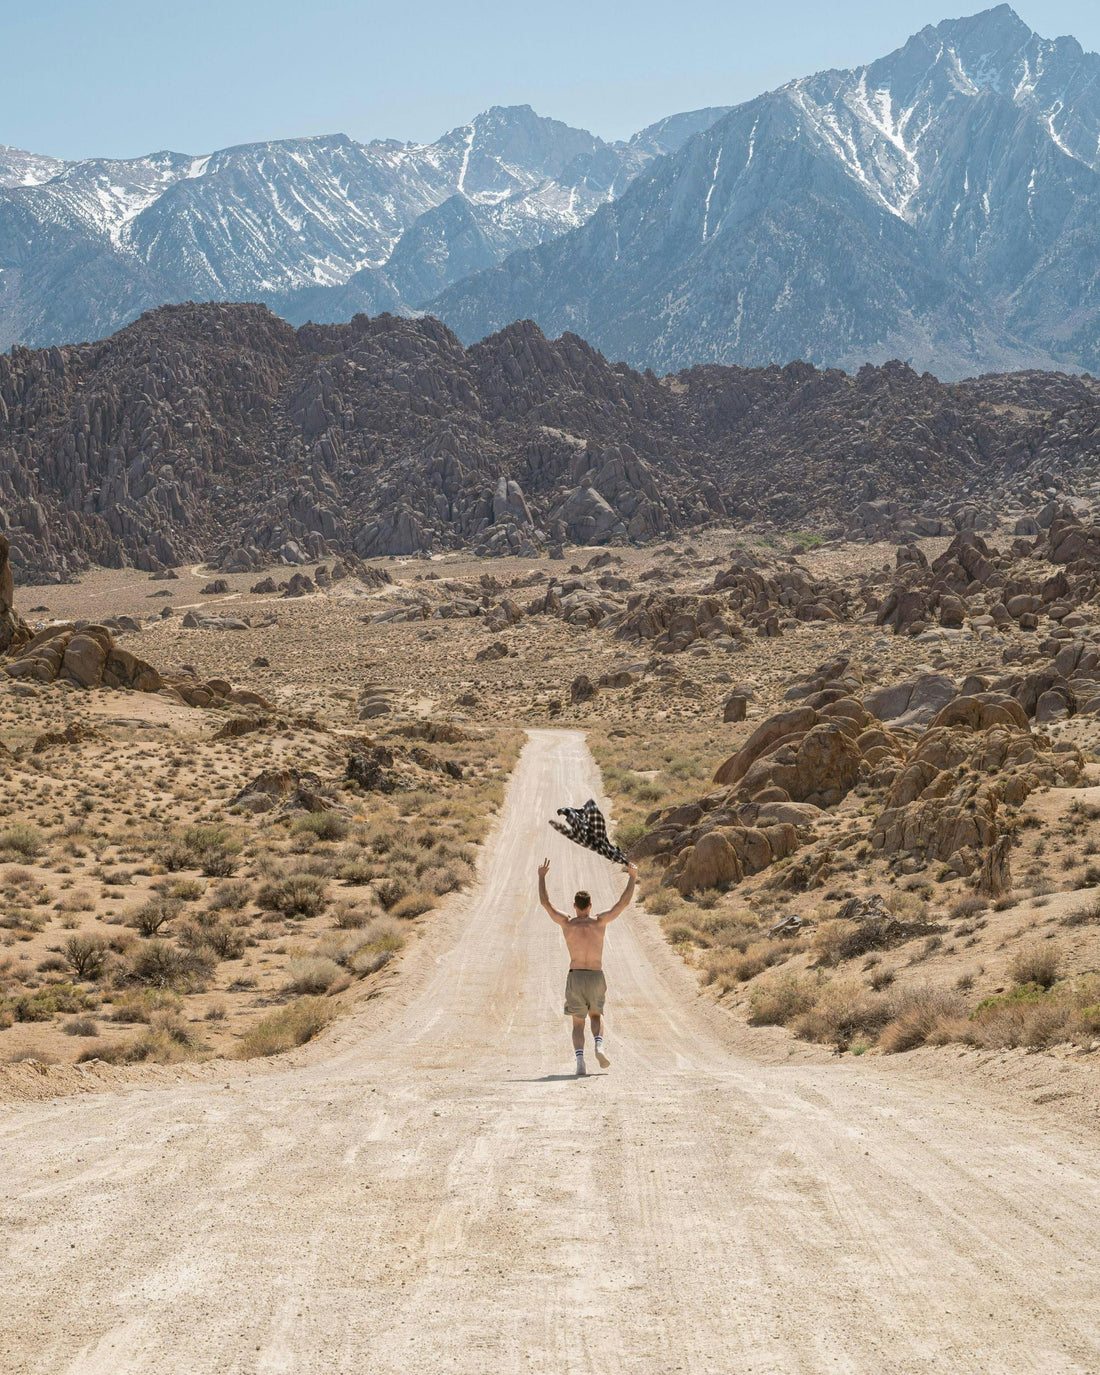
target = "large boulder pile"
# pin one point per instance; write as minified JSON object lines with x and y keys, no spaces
{"x":85,"y":655}
{"x":89,"y":657}
{"x":944,"y":793}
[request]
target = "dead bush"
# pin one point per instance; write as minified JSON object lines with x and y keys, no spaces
{"x":85,"y":954}
{"x":291,"y":1026}
{"x":777,"y":1001}
{"x":294,"y":895}
{"x":1038,"y":963}
{"x":413,"y":905}
{"x":919,"y":1016}
{"x":843,"y":1009}
{"x":313,"y":974}
{"x":163,"y":965}
{"x":154,"y":914}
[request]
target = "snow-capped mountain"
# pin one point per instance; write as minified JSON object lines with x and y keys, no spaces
{"x":305,"y":224}
{"x":939,"y":204}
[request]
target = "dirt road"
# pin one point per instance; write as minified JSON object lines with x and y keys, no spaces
{"x":431,"y":1189}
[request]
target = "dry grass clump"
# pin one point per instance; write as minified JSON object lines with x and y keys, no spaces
{"x":139,"y":1004}
{"x":413,"y":905}
{"x":162,"y":965}
{"x":831,"y":941}
{"x":777,"y":1001}
{"x":729,"y":965}
{"x":21,"y":839}
{"x":313,"y":974}
{"x":1038,"y":963}
{"x":1036,"y":1017}
{"x":294,"y":895}
{"x":1083,"y":916}
{"x":290,"y":1026}
{"x":167,"y":1041}
{"x":842,"y":1010}
{"x":923,"y":1016}
{"x":321,"y":825}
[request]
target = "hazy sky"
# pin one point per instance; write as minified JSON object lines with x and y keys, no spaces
{"x":120,"y":77}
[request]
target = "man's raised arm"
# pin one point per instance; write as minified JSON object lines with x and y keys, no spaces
{"x":544,"y":897}
{"x":624,"y":901}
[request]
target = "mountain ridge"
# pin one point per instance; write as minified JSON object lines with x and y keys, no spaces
{"x":292,"y":222}
{"x":756,"y":240}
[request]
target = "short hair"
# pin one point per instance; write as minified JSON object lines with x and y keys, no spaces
{"x":582,"y":900}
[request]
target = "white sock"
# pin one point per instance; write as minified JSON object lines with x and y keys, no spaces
{"x":599,"y":1041}
{"x":579,"y":1053}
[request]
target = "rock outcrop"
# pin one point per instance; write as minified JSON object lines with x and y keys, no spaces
{"x":14,"y":631}
{"x":385,"y":436}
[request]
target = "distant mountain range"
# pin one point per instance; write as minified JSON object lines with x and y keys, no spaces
{"x":317,"y":228}
{"x":940,"y":205}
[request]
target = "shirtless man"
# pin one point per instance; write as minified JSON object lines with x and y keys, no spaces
{"x":586,"y":987}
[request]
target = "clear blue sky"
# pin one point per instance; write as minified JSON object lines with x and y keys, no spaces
{"x":116,"y":78}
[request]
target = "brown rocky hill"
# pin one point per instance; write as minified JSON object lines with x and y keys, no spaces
{"x":219,"y":432}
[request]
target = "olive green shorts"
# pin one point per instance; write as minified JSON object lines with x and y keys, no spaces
{"x":585,"y":990}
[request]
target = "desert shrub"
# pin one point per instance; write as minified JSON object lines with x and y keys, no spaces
{"x":217,"y":862}
{"x":48,"y":1001}
{"x":968,"y":906}
{"x":1038,"y":963}
{"x":843,"y":1009}
{"x":80,"y":1026}
{"x":413,"y":905}
{"x":628,"y":833}
{"x":232,"y":895}
{"x":157,"y":912}
{"x":662,"y":901}
{"x":164,"y":965}
{"x":322,"y":825}
{"x":205,"y":837}
{"x":390,"y":890}
{"x":291,"y":1026}
{"x":882,"y":978}
{"x":830,"y":940}
{"x":355,"y":872}
{"x":369,"y":961}
{"x":777,"y":1001}
{"x":1083,"y":916}
{"x":1089,"y":877}
{"x":79,"y":901}
{"x":919,"y":1016}
{"x":906,"y":906}
{"x":138,"y":1005}
{"x":294,"y":895}
{"x":679,"y":933}
{"x":313,"y":974}
{"x":85,"y":954}
{"x":446,"y":878}
{"x":184,"y":890}
{"x":22,"y":839}
{"x":174,"y":856}
{"x":1027,"y":1016}
{"x":727,"y":968}
{"x":347,"y":917}
{"x":52,"y":964}
{"x":225,"y":941}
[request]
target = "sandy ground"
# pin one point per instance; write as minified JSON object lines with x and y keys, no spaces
{"x":430,"y":1189}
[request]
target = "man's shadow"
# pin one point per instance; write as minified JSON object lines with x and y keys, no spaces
{"x":558,"y":1079}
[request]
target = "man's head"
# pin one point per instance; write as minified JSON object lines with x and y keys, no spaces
{"x":582,"y":903}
